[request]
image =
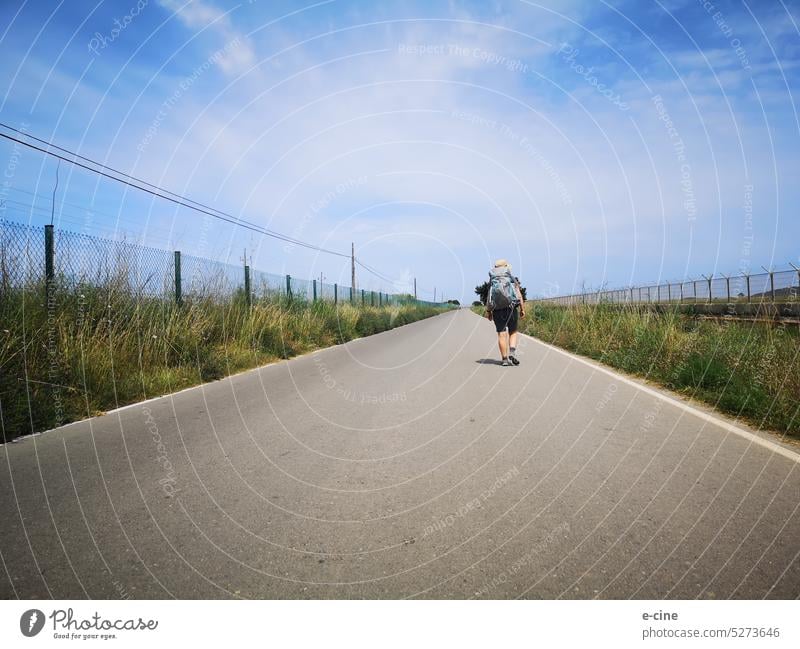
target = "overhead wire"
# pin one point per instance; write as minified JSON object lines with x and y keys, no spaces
{"x":177,"y":199}
{"x":142,"y":185}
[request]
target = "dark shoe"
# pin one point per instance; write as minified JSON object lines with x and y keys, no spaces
{"x":514,"y":360}
{"x":505,"y":363}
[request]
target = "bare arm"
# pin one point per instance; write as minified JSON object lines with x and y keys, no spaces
{"x":521,"y":301}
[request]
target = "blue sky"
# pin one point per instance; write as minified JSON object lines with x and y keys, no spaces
{"x":589,"y":143}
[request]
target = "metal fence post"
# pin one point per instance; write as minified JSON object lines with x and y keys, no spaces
{"x":49,"y":254}
{"x":247,"y":295}
{"x":288,"y":286}
{"x":335,"y":293}
{"x":362,"y":297}
{"x":747,"y":281}
{"x":314,"y":287}
{"x":380,"y":298}
{"x":694,"y":290}
{"x":178,"y":291}
{"x":772,"y":286}
{"x":669,"y":293}
{"x":728,"y":288}
{"x":49,"y":265}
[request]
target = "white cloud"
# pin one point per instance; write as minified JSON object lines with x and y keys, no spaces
{"x":199,"y":15}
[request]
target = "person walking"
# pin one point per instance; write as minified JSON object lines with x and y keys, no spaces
{"x":504,"y":306}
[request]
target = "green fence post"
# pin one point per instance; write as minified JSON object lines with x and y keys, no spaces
{"x":247,"y":295}
{"x":351,"y":295}
{"x":49,"y":254}
{"x":335,"y":293}
{"x":362,"y":297}
{"x":288,"y":286}
{"x":49,"y":265}
{"x":178,"y":292}
{"x":747,"y":279}
{"x":772,"y":285}
{"x":380,"y":298}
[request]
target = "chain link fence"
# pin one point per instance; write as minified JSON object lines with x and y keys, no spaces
{"x":770,"y":287}
{"x":31,"y":255}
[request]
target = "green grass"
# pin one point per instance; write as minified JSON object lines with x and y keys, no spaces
{"x":98,"y":348}
{"x":747,"y":370}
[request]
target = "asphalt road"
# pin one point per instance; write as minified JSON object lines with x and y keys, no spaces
{"x":407,"y":464}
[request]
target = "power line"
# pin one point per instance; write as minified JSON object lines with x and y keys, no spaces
{"x":174,"y":198}
{"x":375,"y":272}
{"x":165,"y":194}
{"x":125,"y":175}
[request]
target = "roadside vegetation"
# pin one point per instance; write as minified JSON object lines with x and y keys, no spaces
{"x":745,"y":369}
{"x":97,"y":348}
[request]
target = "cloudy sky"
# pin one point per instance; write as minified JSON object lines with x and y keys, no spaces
{"x":590,"y":143}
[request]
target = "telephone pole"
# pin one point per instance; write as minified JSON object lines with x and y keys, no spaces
{"x":353,"y":266}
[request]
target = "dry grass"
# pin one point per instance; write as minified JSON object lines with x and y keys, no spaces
{"x":748,"y":370}
{"x":98,"y":348}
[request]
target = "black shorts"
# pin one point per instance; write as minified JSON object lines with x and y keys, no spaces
{"x":507,"y":317}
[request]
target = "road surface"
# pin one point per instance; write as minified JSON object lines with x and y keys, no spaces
{"x":406,"y":464}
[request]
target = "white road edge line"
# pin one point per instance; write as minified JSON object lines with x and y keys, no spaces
{"x":755,"y":439}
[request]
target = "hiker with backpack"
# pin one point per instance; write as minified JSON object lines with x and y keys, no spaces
{"x":502,"y":302}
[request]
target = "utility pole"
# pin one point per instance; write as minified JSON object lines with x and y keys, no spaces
{"x":353,"y":266}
